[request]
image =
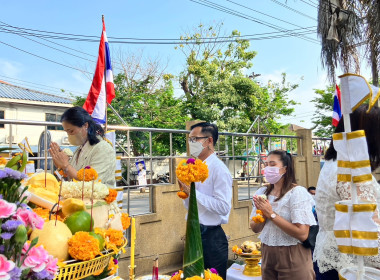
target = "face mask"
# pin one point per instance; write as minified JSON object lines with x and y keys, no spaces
{"x":272,"y":174}
{"x":195,"y":148}
{"x":76,"y":139}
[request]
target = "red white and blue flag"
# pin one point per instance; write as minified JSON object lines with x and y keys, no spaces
{"x":337,"y":113}
{"x":102,"y":89}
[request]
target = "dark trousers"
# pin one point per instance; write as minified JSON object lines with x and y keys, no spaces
{"x":215,"y":249}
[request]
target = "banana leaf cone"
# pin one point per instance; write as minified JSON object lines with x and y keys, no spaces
{"x":193,"y":263}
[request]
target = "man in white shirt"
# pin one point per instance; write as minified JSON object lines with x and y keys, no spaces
{"x":213,"y":196}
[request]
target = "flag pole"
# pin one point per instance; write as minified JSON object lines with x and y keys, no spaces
{"x":105,"y":81}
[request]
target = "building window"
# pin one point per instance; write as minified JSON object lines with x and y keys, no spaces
{"x":1,"y":117}
{"x":53,"y":118}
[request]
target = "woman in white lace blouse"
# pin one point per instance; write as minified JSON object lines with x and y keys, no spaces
{"x":288,"y":214}
{"x":326,"y":254}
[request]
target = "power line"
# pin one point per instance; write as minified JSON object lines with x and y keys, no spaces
{"x":293,"y":10}
{"x":44,"y":58}
{"x":263,"y":13}
{"x":54,"y":88}
{"x":238,"y":14}
{"x":185,"y":42}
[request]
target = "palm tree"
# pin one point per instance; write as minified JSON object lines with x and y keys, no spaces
{"x":347,"y":27}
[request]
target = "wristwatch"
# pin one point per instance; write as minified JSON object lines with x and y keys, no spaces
{"x":273,"y":215}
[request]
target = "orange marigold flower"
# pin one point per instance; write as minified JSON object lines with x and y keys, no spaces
{"x":87,"y":174}
{"x":177,"y":276}
{"x":259,"y":212}
{"x":182,"y":194}
{"x":112,"y":266}
{"x":83,"y":246}
{"x":125,"y":220}
{"x":44,"y":214}
{"x":234,"y":248}
{"x":3,"y":161}
{"x":114,"y":236}
{"x":259,"y":218}
{"x":192,"y":172}
{"x":111,"y":197}
{"x":239,"y":251}
{"x":62,"y":173}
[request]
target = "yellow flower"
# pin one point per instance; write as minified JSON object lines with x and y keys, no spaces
{"x":259,"y":218}
{"x":191,"y":170}
{"x":125,"y":220}
{"x":3,"y":161}
{"x":87,"y":174}
{"x":83,"y":246}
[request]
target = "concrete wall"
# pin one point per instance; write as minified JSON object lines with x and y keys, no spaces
{"x":162,"y":233}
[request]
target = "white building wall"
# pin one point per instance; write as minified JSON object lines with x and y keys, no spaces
{"x":31,"y":112}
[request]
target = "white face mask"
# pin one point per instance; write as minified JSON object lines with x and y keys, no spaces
{"x":76,"y":139}
{"x":196,"y":148}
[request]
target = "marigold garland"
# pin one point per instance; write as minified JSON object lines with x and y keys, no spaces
{"x":114,"y":236}
{"x":111,"y":197}
{"x":3,"y":161}
{"x":112,"y":266}
{"x":237,"y":250}
{"x":83,"y":246}
{"x":182,"y":194}
{"x":259,"y":218}
{"x":208,"y":276}
{"x":125,"y":220}
{"x":45,"y":213}
{"x":189,"y":171}
{"x":88,"y":173}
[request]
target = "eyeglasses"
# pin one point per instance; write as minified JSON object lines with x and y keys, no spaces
{"x":196,"y":138}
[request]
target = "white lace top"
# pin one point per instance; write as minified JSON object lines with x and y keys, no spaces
{"x":328,"y":192}
{"x":295,"y":206}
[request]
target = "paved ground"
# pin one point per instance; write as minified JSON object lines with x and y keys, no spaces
{"x":139,"y":202}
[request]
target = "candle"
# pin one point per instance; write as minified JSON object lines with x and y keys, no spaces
{"x":133,"y":238}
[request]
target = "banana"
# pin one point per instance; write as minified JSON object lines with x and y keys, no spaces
{"x":13,"y":161}
{"x":24,"y":161}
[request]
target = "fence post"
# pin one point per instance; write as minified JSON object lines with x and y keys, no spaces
{"x":305,"y":151}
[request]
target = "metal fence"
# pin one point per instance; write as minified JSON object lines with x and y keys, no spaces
{"x":243,"y":154}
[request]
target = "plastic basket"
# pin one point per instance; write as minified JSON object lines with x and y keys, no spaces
{"x":80,"y":270}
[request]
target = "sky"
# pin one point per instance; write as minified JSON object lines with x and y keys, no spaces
{"x":299,"y":58}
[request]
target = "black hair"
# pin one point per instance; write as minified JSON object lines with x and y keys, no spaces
{"x":78,"y":116}
{"x":370,"y":123}
{"x":208,"y":129}
{"x":290,"y":175}
{"x":312,"y":188}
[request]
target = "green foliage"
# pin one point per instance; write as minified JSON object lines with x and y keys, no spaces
{"x":216,"y":89}
{"x":322,"y":118}
{"x":143,"y":103}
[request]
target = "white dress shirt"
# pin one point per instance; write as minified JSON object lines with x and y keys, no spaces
{"x":215,"y":194}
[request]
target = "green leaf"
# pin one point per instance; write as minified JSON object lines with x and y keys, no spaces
{"x":193,"y":263}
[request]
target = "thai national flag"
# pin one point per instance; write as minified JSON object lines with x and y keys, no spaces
{"x":102,"y":88}
{"x":337,"y":114}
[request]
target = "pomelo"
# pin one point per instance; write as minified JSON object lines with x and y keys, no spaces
{"x":79,"y":221}
{"x":54,"y":238}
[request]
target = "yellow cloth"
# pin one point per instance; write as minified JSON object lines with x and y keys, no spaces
{"x":101,"y":157}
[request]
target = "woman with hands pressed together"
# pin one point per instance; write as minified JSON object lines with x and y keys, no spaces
{"x":288,"y":216}
{"x":92,"y":150}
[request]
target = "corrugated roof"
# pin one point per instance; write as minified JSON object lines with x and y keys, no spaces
{"x":16,"y":92}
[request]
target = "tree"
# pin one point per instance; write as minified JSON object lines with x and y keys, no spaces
{"x":144,"y":97}
{"x":322,"y":118}
{"x":216,"y":89}
{"x":346,"y":27}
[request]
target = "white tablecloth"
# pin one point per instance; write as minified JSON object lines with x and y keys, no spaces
{"x":235,"y":272}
